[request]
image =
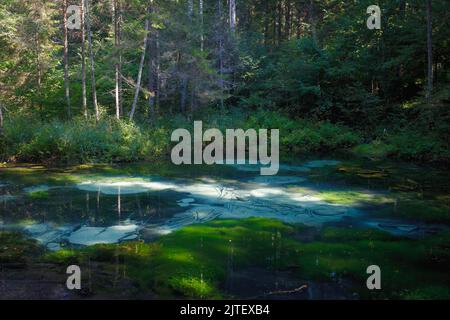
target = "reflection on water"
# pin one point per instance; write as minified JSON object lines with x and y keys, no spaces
{"x":100,"y":206}
{"x":249,"y":258}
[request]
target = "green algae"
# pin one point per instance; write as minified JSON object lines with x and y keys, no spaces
{"x":16,"y":249}
{"x":354,"y":198}
{"x":418,"y":209}
{"x":195,"y":261}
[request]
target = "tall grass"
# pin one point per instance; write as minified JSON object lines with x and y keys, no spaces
{"x":81,"y":141}
{"x":85,"y":141}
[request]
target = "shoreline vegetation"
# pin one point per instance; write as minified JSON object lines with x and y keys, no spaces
{"x":81,"y":141}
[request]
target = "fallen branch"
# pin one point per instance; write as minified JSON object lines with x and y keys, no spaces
{"x":274,"y":293}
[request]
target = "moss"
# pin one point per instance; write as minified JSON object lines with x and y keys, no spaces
{"x":192,"y":287}
{"x":418,"y":209}
{"x":39,"y":195}
{"x":63,"y":257}
{"x":363,"y":173}
{"x":16,"y":249}
{"x":346,"y":234}
{"x":427,"y":293}
{"x":27,"y":174}
{"x":354,"y":198}
{"x":405,"y":264}
{"x":194,"y":262}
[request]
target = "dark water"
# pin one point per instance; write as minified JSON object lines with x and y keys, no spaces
{"x":87,"y":205}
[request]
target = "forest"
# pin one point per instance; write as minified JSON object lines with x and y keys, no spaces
{"x":355,"y":94}
{"x":114,"y":87}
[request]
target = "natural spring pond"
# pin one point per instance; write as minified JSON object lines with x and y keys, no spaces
{"x":156,"y":231}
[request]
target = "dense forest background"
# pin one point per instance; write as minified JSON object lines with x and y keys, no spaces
{"x":115,"y":88}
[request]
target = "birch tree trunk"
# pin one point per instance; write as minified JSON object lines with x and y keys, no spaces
{"x":91,"y":57}
{"x":66,"y":61}
{"x":232,"y":15}
{"x":119,"y":36}
{"x":430,"y":48}
{"x":221,"y":65}
{"x":116,"y":23}
{"x":202,"y":35}
{"x":157,"y":79}
{"x":152,"y":72}
{"x":141,"y":66}
{"x":83,"y":61}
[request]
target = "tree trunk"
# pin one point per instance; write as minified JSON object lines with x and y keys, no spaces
{"x":152,"y":73}
{"x":221,"y":64}
{"x":158,"y":83}
{"x":191,"y":8}
{"x":39,"y":73}
{"x":429,"y":48}
{"x":312,"y":21}
{"x":1,"y":117}
{"x":116,"y":22}
{"x":91,"y":56}
{"x":202,"y":35}
{"x":119,"y":36}
{"x":288,"y":19}
{"x":66,"y":61}
{"x":183,"y":93}
{"x":83,"y":61}
{"x":141,"y":66}
{"x":232,"y":15}
{"x":280,"y":22}
{"x":151,"y":87}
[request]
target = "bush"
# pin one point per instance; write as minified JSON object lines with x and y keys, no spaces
{"x":85,"y":141}
{"x":407,"y":145}
{"x":306,"y":136}
{"x":412,"y":145}
{"x":81,"y":141}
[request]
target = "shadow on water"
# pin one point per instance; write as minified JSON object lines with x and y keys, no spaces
{"x":164,"y":207}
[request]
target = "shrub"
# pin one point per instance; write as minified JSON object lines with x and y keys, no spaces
{"x":81,"y":141}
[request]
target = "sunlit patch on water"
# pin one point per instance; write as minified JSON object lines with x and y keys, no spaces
{"x":111,"y":208}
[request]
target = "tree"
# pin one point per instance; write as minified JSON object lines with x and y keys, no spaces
{"x":429,"y":48}
{"x":221,"y":49}
{"x":66,"y":61}
{"x":232,"y":15}
{"x":153,"y":69}
{"x":1,"y":116}
{"x":202,"y":25}
{"x":118,"y":55}
{"x":91,"y":57}
{"x":83,"y":61}
{"x":141,"y":64}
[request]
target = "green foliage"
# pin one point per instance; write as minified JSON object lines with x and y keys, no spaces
{"x":410,"y":144}
{"x":81,"y":141}
{"x":302,"y":136}
{"x":375,"y":150}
